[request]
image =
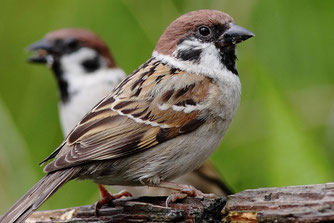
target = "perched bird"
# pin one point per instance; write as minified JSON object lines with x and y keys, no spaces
{"x":162,"y":121}
{"x":86,"y":72}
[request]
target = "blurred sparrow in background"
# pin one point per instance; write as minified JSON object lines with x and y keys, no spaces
{"x":86,"y":72}
{"x":162,"y":121}
{"x":84,"y":68}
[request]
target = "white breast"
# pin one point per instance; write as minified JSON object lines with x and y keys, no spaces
{"x":86,"y":92}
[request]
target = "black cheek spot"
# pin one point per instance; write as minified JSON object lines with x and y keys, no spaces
{"x":91,"y":65}
{"x":190,"y":54}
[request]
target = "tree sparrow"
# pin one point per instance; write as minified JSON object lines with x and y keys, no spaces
{"x":162,"y":121}
{"x":83,"y":67}
{"x":86,"y":72}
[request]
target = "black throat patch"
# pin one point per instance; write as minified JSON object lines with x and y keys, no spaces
{"x":228,"y":58}
{"x":62,"y":84}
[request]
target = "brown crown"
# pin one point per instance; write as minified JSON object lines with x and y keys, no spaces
{"x":86,"y":38}
{"x":186,"y":25}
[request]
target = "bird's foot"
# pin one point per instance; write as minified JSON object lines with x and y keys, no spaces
{"x":107,"y":198}
{"x":173,"y":197}
{"x":184,"y":191}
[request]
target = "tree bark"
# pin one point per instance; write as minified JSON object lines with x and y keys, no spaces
{"x":311,"y":203}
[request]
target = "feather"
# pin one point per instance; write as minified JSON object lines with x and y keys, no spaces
{"x":125,"y":122}
{"x":36,"y":196}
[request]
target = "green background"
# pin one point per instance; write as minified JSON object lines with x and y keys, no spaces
{"x":282,"y":134}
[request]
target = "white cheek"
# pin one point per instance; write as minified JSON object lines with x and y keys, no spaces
{"x":209,"y":62}
{"x":209,"y":58}
{"x":187,"y":45}
{"x":71,"y":63}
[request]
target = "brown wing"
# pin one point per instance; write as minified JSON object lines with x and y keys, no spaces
{"x":154,"y":105}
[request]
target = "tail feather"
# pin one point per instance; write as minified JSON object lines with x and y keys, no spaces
{"x":37,"y":195}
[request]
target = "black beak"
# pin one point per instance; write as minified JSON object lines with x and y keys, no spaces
{"x":235,"y":34}
{"x":42,"y":49}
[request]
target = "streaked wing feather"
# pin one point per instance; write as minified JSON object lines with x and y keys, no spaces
{"x":151,"y":106}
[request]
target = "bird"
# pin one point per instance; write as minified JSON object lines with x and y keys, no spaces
{"x":86,"y":71}
{"x":84,"y":68}
{"x":162,"y":121}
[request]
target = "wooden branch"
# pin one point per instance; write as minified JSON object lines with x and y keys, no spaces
{"x":312,"y":203}
{"x":138,"y":209}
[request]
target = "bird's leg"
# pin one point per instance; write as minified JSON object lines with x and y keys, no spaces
{"x":107,"y":198}
{"x":184,"y":191}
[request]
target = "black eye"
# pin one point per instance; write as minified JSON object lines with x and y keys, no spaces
{"x":204,"y":31}
{"x":72,"y":43}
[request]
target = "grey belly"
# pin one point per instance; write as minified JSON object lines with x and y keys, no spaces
{"x":164,"y":162}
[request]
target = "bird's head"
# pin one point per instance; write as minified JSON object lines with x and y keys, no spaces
{"x":74,"y":50}
{"x":77,"y":57}
{"x":203,"y":40}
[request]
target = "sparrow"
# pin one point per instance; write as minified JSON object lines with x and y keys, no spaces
{"x":162,"y":121}
{"x":86,"y":72}
{"x":83,"y":67}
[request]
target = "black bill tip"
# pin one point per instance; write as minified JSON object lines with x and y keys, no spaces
{"x":41,"y":49}
{"x":37,"y":59}
{"x":236,"y":34}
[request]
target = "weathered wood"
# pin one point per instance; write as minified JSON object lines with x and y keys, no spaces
{"x":138,"y":209}
{"x":312,"y":203}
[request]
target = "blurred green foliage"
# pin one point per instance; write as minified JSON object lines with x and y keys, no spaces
{"x":282,"y":133}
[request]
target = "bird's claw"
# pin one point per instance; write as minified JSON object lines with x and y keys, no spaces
{"x":174,"y":197}
{"x":107,"y":198}
{"x":187,"y":190}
